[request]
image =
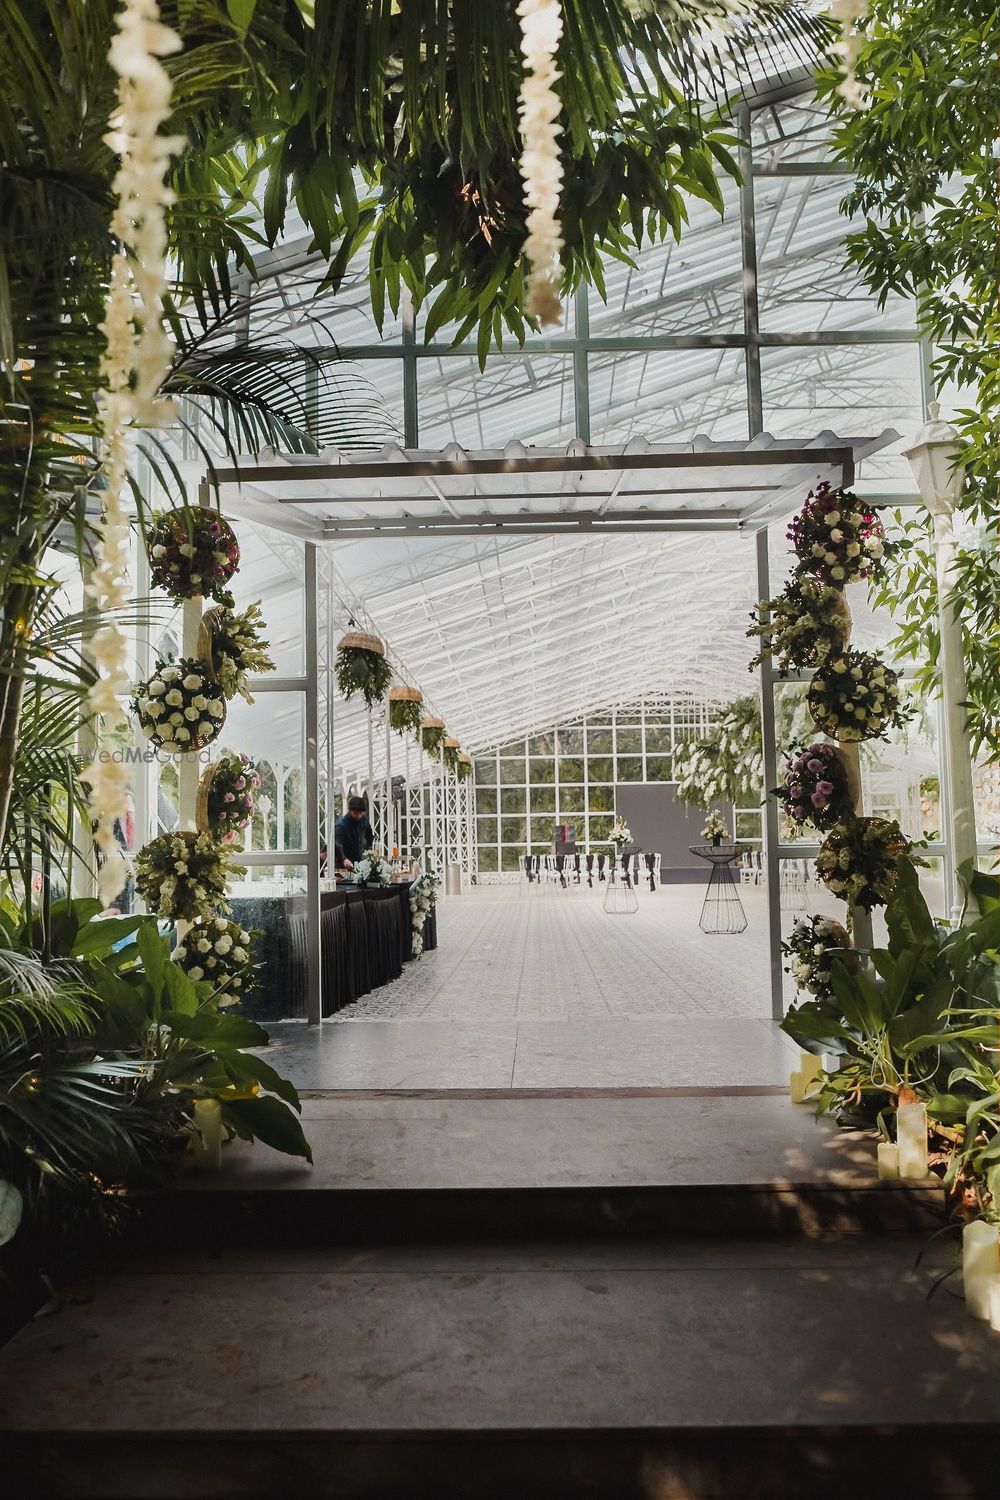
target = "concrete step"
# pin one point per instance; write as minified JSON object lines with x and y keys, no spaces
{"x":618,"y":1163}
{"x":784,"y":1368}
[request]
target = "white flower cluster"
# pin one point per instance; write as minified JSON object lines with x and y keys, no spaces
{"x":848,"y":13}
{"x":183,"y":876}
{"x":855,"y":697}
{"x":728,"y":764}
{"x":620,"y":833}
{"x":872,"y":546}
{"x":220,"y":952}
{"x":423,"y":895}
{"x":541,"y":168}
{"x":179,"y":708}
{"x":810,"y":949}
{"x":372,"y":870}
{"x":135,"y":362}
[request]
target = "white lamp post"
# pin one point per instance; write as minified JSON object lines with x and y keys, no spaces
{"x":933,"y":459}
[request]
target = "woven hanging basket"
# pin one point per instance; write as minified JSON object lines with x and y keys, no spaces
{"x":403,"y":694}
{"x":431,"y":721}
{"x":450,"y":743}
{"x":360,"y":640}
{"x":201,"y":801}
{"x":463,"y":759}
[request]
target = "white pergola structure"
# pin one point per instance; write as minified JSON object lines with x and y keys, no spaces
{"x":515,"y":586}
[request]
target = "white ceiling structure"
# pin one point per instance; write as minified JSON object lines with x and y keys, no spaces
{"x":520,"y":587}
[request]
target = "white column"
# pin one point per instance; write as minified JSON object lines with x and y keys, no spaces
{"x":390,"y":810}
{"x":956,"y":759}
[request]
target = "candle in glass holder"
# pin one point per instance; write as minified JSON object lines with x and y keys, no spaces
{"x":980,"y":1265}
{"x":805,"y":1075}
{"x":911,"y":1138}
{"x":207,"y":1137}
{"x":888,"y":1159}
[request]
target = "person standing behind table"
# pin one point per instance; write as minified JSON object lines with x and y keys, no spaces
{"x":353,"y":832}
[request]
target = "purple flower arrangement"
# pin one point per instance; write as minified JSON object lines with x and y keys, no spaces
{"x":836,"y":537}
{"x":815,"y":789}
{"x":231,"y":793}
{"x":192,"y":551}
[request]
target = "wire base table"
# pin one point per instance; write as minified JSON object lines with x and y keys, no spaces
{"x":620,"y":899}
{"x":722,"y":910}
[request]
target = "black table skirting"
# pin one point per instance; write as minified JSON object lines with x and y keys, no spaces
{"x":365,"y":939}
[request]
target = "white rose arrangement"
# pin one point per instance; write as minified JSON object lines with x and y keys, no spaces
{"x":811,"y":948}
{"x":858,"y":860}
{"x":182,"y":876}
{"x":621,"y":834}
{"x":372,"y":870}
{"x":219,"y":952}
{"x":855,"y":696}
{"x":423,"y":896}
{"x":180,"y":707}
{"x":837,"y":538}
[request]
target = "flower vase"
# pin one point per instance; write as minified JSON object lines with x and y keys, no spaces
{"x":716,"y":840}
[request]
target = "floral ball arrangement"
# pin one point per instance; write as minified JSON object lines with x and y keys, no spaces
{"x":837,"y":538}
{"x":816,"y":788}
{"x":801,"y":627}
{"x":226,"y":797}
{"x":183,"y":876}
{"x":179,"y":707}
{"x":855,"y":696}
{"x":812,"y":946}
{"x":220,"y":952}
{"x":192,"y":551}
{"x":858,"y":860}
{"x":237,"y":647}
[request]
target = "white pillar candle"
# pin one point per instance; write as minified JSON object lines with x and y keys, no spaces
{"x":980,"y":1265}
{"x":804,"y":1077}
{"x":207,"y":1138}
{"x":995,"y":1302}
{"x":911,"y":1137}
{"x":888,"y":1159}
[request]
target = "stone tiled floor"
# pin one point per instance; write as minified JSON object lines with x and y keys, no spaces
{"x":548,"y":991}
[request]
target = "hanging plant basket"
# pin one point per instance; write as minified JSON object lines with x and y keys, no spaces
{"x":855,"y":696}
{"x":192,"y":551}
{"x":235,"y":645}
{"x":463,"y":766}
{"x":179,"y":708}
{"x":858,"y":860}
{"x":405,"y":709}
{"x":361,"y":667}
{"x":432,"y":735}
{"x":226,"y":797}
{"x":449,"y":752}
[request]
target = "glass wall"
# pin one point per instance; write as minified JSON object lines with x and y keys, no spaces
{"x":567,"y":774}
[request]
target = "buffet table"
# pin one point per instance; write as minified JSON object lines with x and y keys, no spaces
{"x":365,"y":940}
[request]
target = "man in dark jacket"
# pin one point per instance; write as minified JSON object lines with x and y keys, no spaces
{"x":353,"y":832}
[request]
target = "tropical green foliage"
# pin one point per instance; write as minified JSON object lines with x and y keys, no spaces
{"x":405,"y":715}
{"x":364,"y":672}
{"x":927,"y":201}
{"x":104,"y":1046}
{"x":928,"y":1019}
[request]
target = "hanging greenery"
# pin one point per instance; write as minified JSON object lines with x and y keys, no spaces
{"x":361,"y":667}
{"x":727,"y":765}
{"x":432,"y":735}
{"x":449,"y":752}
{"x":463,"y":766}
{"x":405,"y":709}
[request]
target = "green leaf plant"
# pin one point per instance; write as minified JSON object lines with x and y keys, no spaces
{"x":926,"y":1020}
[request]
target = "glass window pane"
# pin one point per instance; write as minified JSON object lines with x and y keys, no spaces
{"x":541,"y":744}
{"x":513,"y":830}
{"x":667,"y":395}
{"x":511,"y":772}
{"x":629,"y":741}
{"x":658,"y":767}
{"x":486,"y":773}
{"x":486,"y":800}
{"x":519,"y":394}
{"x":599,"y":768}
{"x":486,"y":830}
{"x":541,"y":830}
{"x":541,"y":771}
{"x":543,"y":799}
{"x":599,"y":827}
{"x":513,"y":800}
{"x":598,"y":742}
{"x":272,"y":732}
{"x":509,"y":858}
{"x":658,"y":738}
{"x":630,"y":768}
{"x":600,"y":798}
{"x":570,"y":741}
{"x":570,"y":769}
{"x":488,"y":860}
{"x":571,"y":799}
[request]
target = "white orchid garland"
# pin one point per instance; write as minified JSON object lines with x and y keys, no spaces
{"x":135,"y":363}
{"x":541,"y":168}
{"x":847,"y":13}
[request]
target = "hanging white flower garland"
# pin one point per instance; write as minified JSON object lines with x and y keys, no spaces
{"x":134,"y":366}
{"x":541,"y":168}
{"x":847,"y":13}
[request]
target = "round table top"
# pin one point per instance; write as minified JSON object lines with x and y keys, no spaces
{"x":719,"y":854}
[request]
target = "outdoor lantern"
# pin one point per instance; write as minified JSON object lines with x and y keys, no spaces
{"x":932,"y":458}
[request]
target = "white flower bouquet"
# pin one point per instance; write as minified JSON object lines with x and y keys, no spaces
{"x":811,"y":947}
{"x":423,"y":895}
{"x":621,"y":834}
{"x":858,"y":860}
{"x":372,"y":870}
{"x":220,"y":953}
{"x":179,"y":708}
{"x":184,"y":876}
{"x":855,"y":696}
{"x":801,"y":626}
{"x":715,"y":827}
{"x":238,"y":648}
{"x":837,"y":538}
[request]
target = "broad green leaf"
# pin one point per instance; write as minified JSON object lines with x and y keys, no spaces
{"x":269,"y":1120}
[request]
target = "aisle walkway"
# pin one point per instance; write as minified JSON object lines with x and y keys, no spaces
{"x":548,"y":991}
